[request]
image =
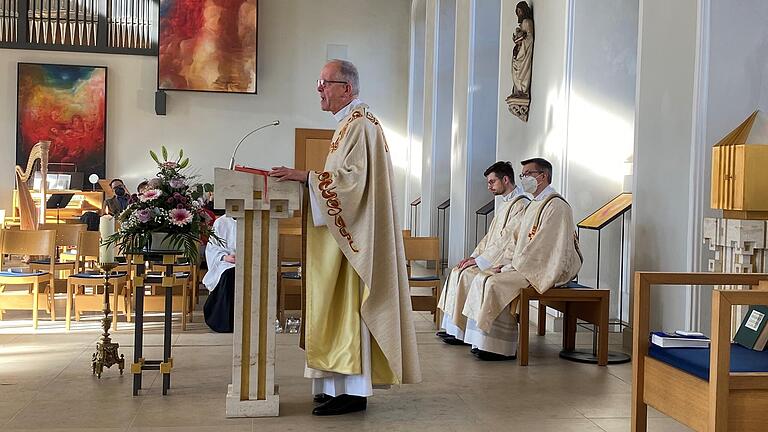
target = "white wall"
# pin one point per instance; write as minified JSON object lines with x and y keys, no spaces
{"x":600,"y":130}
{"x":438,"y":95}
{"x":544,"y":133}
{"x":737,"y":84}
{"x":293,"y":35}
{"x":582,"y":112}
{"x":474,"y":118}
{"x":420,"y":61}
{"x":663,"y":128}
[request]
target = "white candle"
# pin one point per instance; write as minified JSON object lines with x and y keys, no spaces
{"x":106,"y":229}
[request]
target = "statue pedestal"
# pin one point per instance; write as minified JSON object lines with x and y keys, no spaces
{"x":256,"y":203}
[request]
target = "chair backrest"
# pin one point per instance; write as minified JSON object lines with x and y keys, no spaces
{"x":422,"y":249}
{"x":66,"y":234}
{"x":40,"y":242}
{"x":406,"y":233}
{"x":88,"y":243}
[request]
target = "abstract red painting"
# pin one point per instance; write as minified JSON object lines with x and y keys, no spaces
{"x":207,"y":45}
{"x":66,"y":105}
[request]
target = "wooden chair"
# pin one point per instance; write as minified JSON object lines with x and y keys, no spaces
{"x":87,"y":277}
{"x":67,"y":236}
{"x":37,"y":243}
{"x":289,"y":277}
{"x":575,"y":302}
{"x":720,"y":399}
{"x":406,"y":233}
{"x":424,"y":249}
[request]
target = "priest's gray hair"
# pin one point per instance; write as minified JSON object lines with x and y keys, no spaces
{"x":348,"y":73}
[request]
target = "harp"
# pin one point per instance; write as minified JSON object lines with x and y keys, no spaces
{"x":29,"y":215}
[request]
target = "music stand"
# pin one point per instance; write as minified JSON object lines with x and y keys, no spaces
{"x":58,"y":201}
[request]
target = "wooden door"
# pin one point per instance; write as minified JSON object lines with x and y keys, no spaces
{"x":312,"y":147}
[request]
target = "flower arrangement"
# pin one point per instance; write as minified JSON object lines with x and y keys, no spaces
{"x":167,"y":207}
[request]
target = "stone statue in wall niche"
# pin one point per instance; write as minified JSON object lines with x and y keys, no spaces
{"x":522,"y":62}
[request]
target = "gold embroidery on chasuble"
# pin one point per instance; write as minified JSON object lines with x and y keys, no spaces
{"x":343,"y":132}
{"x":334,"y":207}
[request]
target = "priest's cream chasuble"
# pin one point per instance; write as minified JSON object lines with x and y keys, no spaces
{"x":501,"y":236}
{"x":546,"y":255}
{"x":355,"y":263}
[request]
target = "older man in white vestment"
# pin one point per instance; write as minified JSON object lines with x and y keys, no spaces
{"x":219,"y":308}
{"x":546,"y":255}
{"x":358,"y":331}
{"x":488,"y":253}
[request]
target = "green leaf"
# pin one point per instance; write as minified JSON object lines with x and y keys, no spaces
{"x":184,"y":163}
{"x":154,"y":156}
{"x":181,"y":153}
{"x":165,"y":153}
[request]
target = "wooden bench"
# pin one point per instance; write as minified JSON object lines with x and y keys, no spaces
{"x":587,"y":304}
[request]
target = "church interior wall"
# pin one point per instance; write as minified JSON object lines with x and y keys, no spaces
{"x":737,"y":85}
{"x":662,"y":156}
{"x":474,"y":118}
{"x":582,"y":113}
{"x":293,"y":37}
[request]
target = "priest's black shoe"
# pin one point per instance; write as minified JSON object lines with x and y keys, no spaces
{"x":474,"y":351}
{"x":322,"y":398}
{"x":453,"y":341}
{"x":442,"y":334}
{"x":342,"y":404}
{"x":489,"y":356}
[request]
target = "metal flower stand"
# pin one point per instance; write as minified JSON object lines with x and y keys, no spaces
{"x":106,"y":353}
{"x":166,"y":281}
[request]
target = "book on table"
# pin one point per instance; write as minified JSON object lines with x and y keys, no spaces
{"x":674,"y":340}
{"x":753,"y":332}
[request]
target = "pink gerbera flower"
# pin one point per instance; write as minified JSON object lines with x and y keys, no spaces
{"x":150,"y":195}
{"x":180,"y":216}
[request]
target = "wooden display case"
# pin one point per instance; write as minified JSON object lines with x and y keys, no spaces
{"x":739,"y":175}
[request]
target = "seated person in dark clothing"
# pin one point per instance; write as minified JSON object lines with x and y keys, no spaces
{"x":219,"y":308}
{"x":119,"y":202}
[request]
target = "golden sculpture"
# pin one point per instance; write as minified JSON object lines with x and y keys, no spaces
{"x":29,"y":216}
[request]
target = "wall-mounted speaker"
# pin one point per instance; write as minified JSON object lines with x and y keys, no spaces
{"x":160,"y":102}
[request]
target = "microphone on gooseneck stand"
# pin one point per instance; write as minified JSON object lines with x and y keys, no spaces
{"x":234,"y":152}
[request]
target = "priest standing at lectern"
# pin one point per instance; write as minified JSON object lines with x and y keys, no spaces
{"x":358,"y":329}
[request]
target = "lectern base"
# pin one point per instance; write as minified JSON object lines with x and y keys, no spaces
{"x":252,"y":408}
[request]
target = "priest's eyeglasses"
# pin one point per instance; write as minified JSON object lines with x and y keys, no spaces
{"x":322,"y":82}
{"x":529,"y":173}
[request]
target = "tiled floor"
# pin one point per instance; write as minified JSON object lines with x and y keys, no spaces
{"x":46,"y":384}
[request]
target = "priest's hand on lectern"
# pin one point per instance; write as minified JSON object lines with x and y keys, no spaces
{"x":282,"y":173}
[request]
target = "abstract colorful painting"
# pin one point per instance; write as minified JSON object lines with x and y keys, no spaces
{"x":207,"y":45}
{"x":66,"y":105}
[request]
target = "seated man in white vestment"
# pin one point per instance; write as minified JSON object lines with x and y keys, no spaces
{"x":219,"y":308}
{"x":358,"y":327}
{"x":546,"y":255}
{"x":488,"y":253}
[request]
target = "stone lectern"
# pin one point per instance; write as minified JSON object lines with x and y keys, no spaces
{"x":256,"y":201}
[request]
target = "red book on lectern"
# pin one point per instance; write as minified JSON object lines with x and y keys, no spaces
{"x":261,"y":172}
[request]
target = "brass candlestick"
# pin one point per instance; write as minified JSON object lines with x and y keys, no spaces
{"x":106,"y":351}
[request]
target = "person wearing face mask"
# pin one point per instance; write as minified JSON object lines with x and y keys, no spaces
{"x":119,"y":202}
{"x":546,"y":255}
{"x":500,"y":236}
